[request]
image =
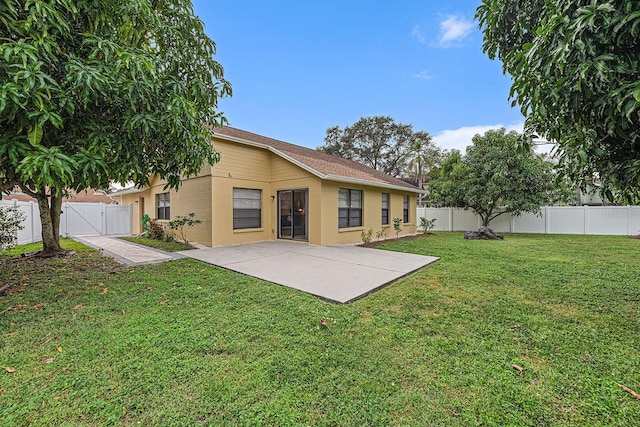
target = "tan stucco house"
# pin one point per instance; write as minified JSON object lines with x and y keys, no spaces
{"x":265,"y":189}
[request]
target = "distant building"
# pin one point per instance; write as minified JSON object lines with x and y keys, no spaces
{"x":87,"y":196}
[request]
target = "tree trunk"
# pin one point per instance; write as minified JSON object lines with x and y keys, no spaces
{"x":50,"y":220}
{"x":56,"y":211}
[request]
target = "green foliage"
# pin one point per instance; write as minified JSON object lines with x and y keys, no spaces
{"x":367,"y":235}
{"x":426,"y":224}
{"x":499,"y":174}
{"x":186,"y":343}
{"x":575,"y":66}
{"x":93,"y":92}
{"x":183,"y":223}
{"x":156,"y":230}
{"x":397,"y":225}
{"x":10,"y":223}
{"x":379,"y":142}
{"x":381,"y":233}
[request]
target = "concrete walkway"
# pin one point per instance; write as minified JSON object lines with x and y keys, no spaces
{"x":336,"y":273}
{"x":127,"y":252}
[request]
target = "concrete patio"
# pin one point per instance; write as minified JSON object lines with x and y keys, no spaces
{"x":336,"y":273}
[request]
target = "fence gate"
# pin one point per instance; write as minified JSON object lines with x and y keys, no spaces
{"x":82,"y":219}
{"x":77,"y":219}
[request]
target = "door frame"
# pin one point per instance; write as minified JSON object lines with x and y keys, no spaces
{"x":292,"y":215}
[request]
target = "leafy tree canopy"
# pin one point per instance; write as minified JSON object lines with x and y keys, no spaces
{"x":100,"y":91}
{"x":378,"y":142}
{"x":575,"y":66}
{"x":496,"y":176}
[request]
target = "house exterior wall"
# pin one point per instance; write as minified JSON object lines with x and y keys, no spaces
{"x":210,"y":196}
{"x":194,"y":196}
{"x":239,"y":167}
{"x":371,"y":214}
{"x":244,"y":166}
{"x":287,"y":176}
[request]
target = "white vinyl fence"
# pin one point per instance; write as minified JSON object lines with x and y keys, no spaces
{"x":77,"y":219}
{"x":604,"y":220}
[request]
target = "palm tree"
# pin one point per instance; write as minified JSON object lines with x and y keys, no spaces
{"x":422,"y":157}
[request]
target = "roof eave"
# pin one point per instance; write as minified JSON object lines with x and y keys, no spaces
{"x":128,"y":191}
{"x":372,"y":183}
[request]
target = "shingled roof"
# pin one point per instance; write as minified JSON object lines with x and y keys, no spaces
{"x":86,"y":196}
{"x":320,"y":164}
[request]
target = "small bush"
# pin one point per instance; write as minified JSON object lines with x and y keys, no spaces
{"x":366,"y":236}
{"x":156,"y":230}
{"x":396,"y":225}
{"x":180,"y":222}
{"x":426,"y":224}
{"x":10,"y":223}
{"x":381,"y":233}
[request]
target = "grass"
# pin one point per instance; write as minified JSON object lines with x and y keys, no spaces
{"x":184,"y":343}
{"x":172,"y":246}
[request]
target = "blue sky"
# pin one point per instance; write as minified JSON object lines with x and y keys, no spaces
{"x":300,"y":67}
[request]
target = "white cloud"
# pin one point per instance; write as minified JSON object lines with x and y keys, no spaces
{"x":424,"y":75}
{"x":459,"y":139}
{"x":453,"y":30}
{"x":418,"y":34}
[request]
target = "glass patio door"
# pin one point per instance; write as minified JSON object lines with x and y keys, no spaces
{"x":292,"y":214}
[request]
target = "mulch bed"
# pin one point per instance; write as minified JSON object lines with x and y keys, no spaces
{"x":395,"y":239}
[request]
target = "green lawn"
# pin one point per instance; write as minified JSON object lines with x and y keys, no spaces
{"x":185,"y":343}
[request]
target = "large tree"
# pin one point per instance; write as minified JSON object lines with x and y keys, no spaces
{"x":100,"y":91}
{"x":378,"y":142}
{"x":575,"y":66}
{"x":498,"y":174}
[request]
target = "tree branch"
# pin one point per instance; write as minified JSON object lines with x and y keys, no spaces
{"x":34,"y":194}
{"x":7,"y":186}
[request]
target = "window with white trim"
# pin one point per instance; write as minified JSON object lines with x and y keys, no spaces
{"x":247,"y":208}
{"x":163,"y":205}
{"x":349,"y":208}
{"x":385,"y":208}
{"x":405,"y":209}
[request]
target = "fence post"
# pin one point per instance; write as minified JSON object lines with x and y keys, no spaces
{"x":33,"y":221}
{"x":547,"y":220}
{"x":450,"y":219}
{"x":585,"y":221}
{"x":103,"y":217}
{"x":65,"y":208}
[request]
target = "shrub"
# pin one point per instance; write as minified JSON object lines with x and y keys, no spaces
{"x":156,"y":230}
{"x":366,"y":236}
{"x":396,"y":225}
{"x":426,"y":224}
{"x":381,"y":233}
{"x":10,"y":223}
{"x":183,"y":224}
